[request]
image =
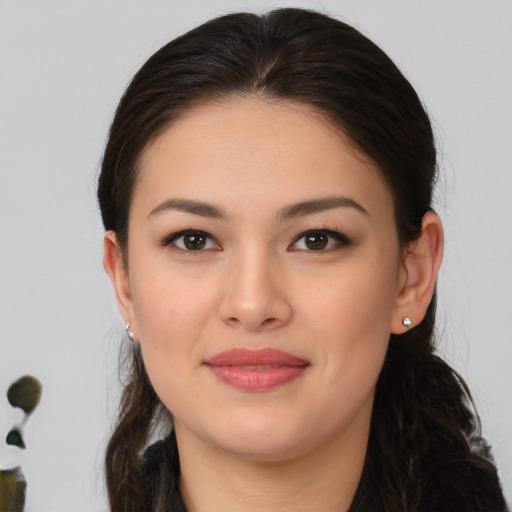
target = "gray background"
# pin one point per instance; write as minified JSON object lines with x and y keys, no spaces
{"x":63,"y":67}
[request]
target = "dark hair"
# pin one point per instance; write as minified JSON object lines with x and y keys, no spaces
{"x":424,"y":451}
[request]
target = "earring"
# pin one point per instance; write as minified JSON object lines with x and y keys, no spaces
{"x":406,"y":322}
{"x":130,"y":333}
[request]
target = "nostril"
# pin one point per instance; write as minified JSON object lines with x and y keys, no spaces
{"x":269,"y":322}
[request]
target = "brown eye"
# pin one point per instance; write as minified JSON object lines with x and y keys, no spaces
{"x":194,"y":241}
{"x":190,"y":241}
{"x":316,"y":241}
{"x":320,"y":240}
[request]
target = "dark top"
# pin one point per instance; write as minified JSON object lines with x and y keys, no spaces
{"x":161,"y":465}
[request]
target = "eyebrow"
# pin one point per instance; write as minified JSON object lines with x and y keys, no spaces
{"x":189,"y":206}
{"x":319,"y":205}
{"x":288,"y":212}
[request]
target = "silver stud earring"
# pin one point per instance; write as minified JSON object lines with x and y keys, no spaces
{"x":130,"y":333}
{"x":406,"y":322}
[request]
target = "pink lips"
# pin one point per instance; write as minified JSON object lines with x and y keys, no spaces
{"x":256,"y":370}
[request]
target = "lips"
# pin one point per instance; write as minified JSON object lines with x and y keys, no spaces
{"x":256,"y":370}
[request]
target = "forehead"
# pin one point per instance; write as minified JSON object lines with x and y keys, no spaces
{"x":254,"y":151}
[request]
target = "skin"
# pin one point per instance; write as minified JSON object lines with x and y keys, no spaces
{"x":257,"y":284}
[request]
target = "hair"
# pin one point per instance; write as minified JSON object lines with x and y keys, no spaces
{"x":425,"y":451}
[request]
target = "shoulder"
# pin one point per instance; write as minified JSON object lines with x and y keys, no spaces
{"x":445,"y":483}
{"x":465,"y":485}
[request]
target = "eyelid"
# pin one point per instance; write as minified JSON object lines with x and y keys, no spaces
{"x":170,"y":239}
{"x":341,"y":239}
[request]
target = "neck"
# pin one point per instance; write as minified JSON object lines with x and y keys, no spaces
{"x":324,"y":479}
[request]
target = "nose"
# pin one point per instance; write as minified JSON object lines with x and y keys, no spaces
{"x":254,"y":297}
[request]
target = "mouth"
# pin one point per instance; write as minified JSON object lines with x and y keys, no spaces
{"x":256,"y":370}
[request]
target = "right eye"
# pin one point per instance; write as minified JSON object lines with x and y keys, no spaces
{"x":320,"y":240}
{"x":191,"y":240}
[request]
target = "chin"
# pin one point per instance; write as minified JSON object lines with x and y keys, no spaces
{"x":259,"y":437}
{"x":259,"y":448}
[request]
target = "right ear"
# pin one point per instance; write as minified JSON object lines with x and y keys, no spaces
{"x":115,"y":267}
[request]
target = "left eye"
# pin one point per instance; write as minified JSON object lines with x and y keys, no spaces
{"x":319,"y":241}
{"x":191,"y":241}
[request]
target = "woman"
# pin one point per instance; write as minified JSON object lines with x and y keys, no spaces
{"x":266,"y":190}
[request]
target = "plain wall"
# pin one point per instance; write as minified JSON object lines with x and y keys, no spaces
{"x":63,"y":67}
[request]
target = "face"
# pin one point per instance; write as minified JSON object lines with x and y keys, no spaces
{"x":263,"y":276}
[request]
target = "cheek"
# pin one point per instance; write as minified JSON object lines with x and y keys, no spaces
{"x":171,"y":317}
{"x":359,"y":299}
{"x":351,"y":315}
{"x":170,"y":308}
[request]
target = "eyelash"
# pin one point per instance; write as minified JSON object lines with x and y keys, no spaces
{"x":340,"y":239}
{"x":171,"y":239}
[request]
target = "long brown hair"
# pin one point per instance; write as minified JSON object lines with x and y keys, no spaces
{"x":425,"y":450}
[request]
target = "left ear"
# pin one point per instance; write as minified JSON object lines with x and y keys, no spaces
{"x":420,"y":265}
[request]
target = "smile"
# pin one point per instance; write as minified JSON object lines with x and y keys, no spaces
{"x":256,"y":370}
